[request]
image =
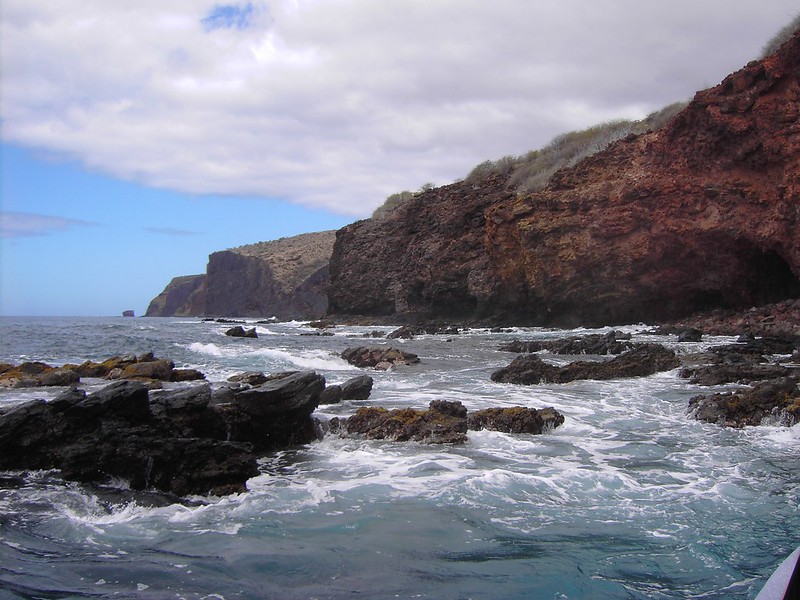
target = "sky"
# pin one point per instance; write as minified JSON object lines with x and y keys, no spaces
{"x":137,"y":138}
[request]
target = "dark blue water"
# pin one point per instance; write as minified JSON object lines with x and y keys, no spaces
{"x":628,"y":499}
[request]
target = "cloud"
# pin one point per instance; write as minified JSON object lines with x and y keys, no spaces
{"x":338,"y":103}
{"x":171,"y":231}
{"x":21,"y":224}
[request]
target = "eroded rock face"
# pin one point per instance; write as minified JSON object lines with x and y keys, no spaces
{"x":702,"y":213}
{"x":285,"y":278}
{"x":184,"y":296}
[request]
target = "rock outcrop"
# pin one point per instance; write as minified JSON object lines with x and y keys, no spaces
{"x":381,"y":358}
{"x":645,"y":359}
{"x":774,"y":402}
{"x":444,"y":422}
{"x":702,"y":213}
{"x":183,"y":441}
{"x":184,"y":296}
{"x":285,"y":278}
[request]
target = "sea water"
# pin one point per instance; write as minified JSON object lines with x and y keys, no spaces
{"x":630,"y":498}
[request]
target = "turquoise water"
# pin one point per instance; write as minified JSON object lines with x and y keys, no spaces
{"x":628,"y":499}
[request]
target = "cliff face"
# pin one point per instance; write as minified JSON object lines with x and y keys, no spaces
{"x":702,"y":213}
{"x":286,"y":278}
{"x":182,"y":297}
{"x":426,"y":259}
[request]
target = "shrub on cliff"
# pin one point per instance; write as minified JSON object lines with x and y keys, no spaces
{"x":781,"y":37}
{"x":391,"y":203}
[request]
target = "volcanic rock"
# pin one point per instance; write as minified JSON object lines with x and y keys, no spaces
{"x":700,"y":214}
{"x":442,"y":423}
{"x":445,"y":422}
{"x":180,"y":441}
{"x":241,"y":332}
{"x":379,"y":358}
{"x":516,"y":419}
{"x":776,"y":402}
{"x":285,"y":278}
{"x":357,"y":388}
{"x":601,"y":344}
{"x":646,"y":359}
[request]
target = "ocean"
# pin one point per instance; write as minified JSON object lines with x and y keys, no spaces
{"x":630,"y":498}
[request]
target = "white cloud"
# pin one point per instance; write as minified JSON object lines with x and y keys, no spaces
{"x":338,"y":103}
{"x":20,"y":224}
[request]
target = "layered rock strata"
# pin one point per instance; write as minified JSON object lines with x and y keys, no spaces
{"x":285,"y":278}
{"x":702,"y":213}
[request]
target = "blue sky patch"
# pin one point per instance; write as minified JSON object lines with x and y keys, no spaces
{"x":229,"y":16}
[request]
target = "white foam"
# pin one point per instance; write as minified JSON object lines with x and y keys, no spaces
{"x":321,"y":360}
{"x":209,"y":349}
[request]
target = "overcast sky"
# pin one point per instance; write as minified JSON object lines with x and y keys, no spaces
{"x":162,"y":131}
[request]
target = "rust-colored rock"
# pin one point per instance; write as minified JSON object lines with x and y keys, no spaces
{"x":702,"y":213}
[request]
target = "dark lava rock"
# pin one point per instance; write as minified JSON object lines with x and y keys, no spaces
{"x":182,"y":441}
{"x":437,"y":425}
{"x":444,"y":422}
{"x":734,"y":373}
{"x":690,"y":334}
{"x":609,"y":343}
{"x":241,"y":332}
{"x":378,"y":358}
{"x":403,"y":333}
{"x":776,"y":402}
{"x":332,"y":394}
{"x":357,"y":388}
{"x":643,"y":360}
{"x":516,"y":419}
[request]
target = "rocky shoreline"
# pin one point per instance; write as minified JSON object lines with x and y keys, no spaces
{"x":167,"y":429}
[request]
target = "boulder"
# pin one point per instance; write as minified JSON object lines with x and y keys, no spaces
{"x":445,"y":422}
{"x":775,"y":402}
{"x":160,"y":370}
{"x":403,"y":333}
{"x":602,"y":344}
{"x":734,"y":373}
{"x":382,"y":358}
{"x":241,"y":332}
{"x":37,"y":374}
{"x":516,"y":419}
{"x":180,"y":375}
{"x":357,"y":388}
{"x":296,"y":393}
{"x":690,"y":334}
{"x":442,"y":423}
{"x":643,"y":360}
{"x":183,"y":441}
{"x":332,"y":394}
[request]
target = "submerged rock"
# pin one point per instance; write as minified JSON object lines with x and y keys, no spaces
{"x":643,"y":360}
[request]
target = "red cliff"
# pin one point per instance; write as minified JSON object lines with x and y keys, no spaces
{"x":702,"y":213}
